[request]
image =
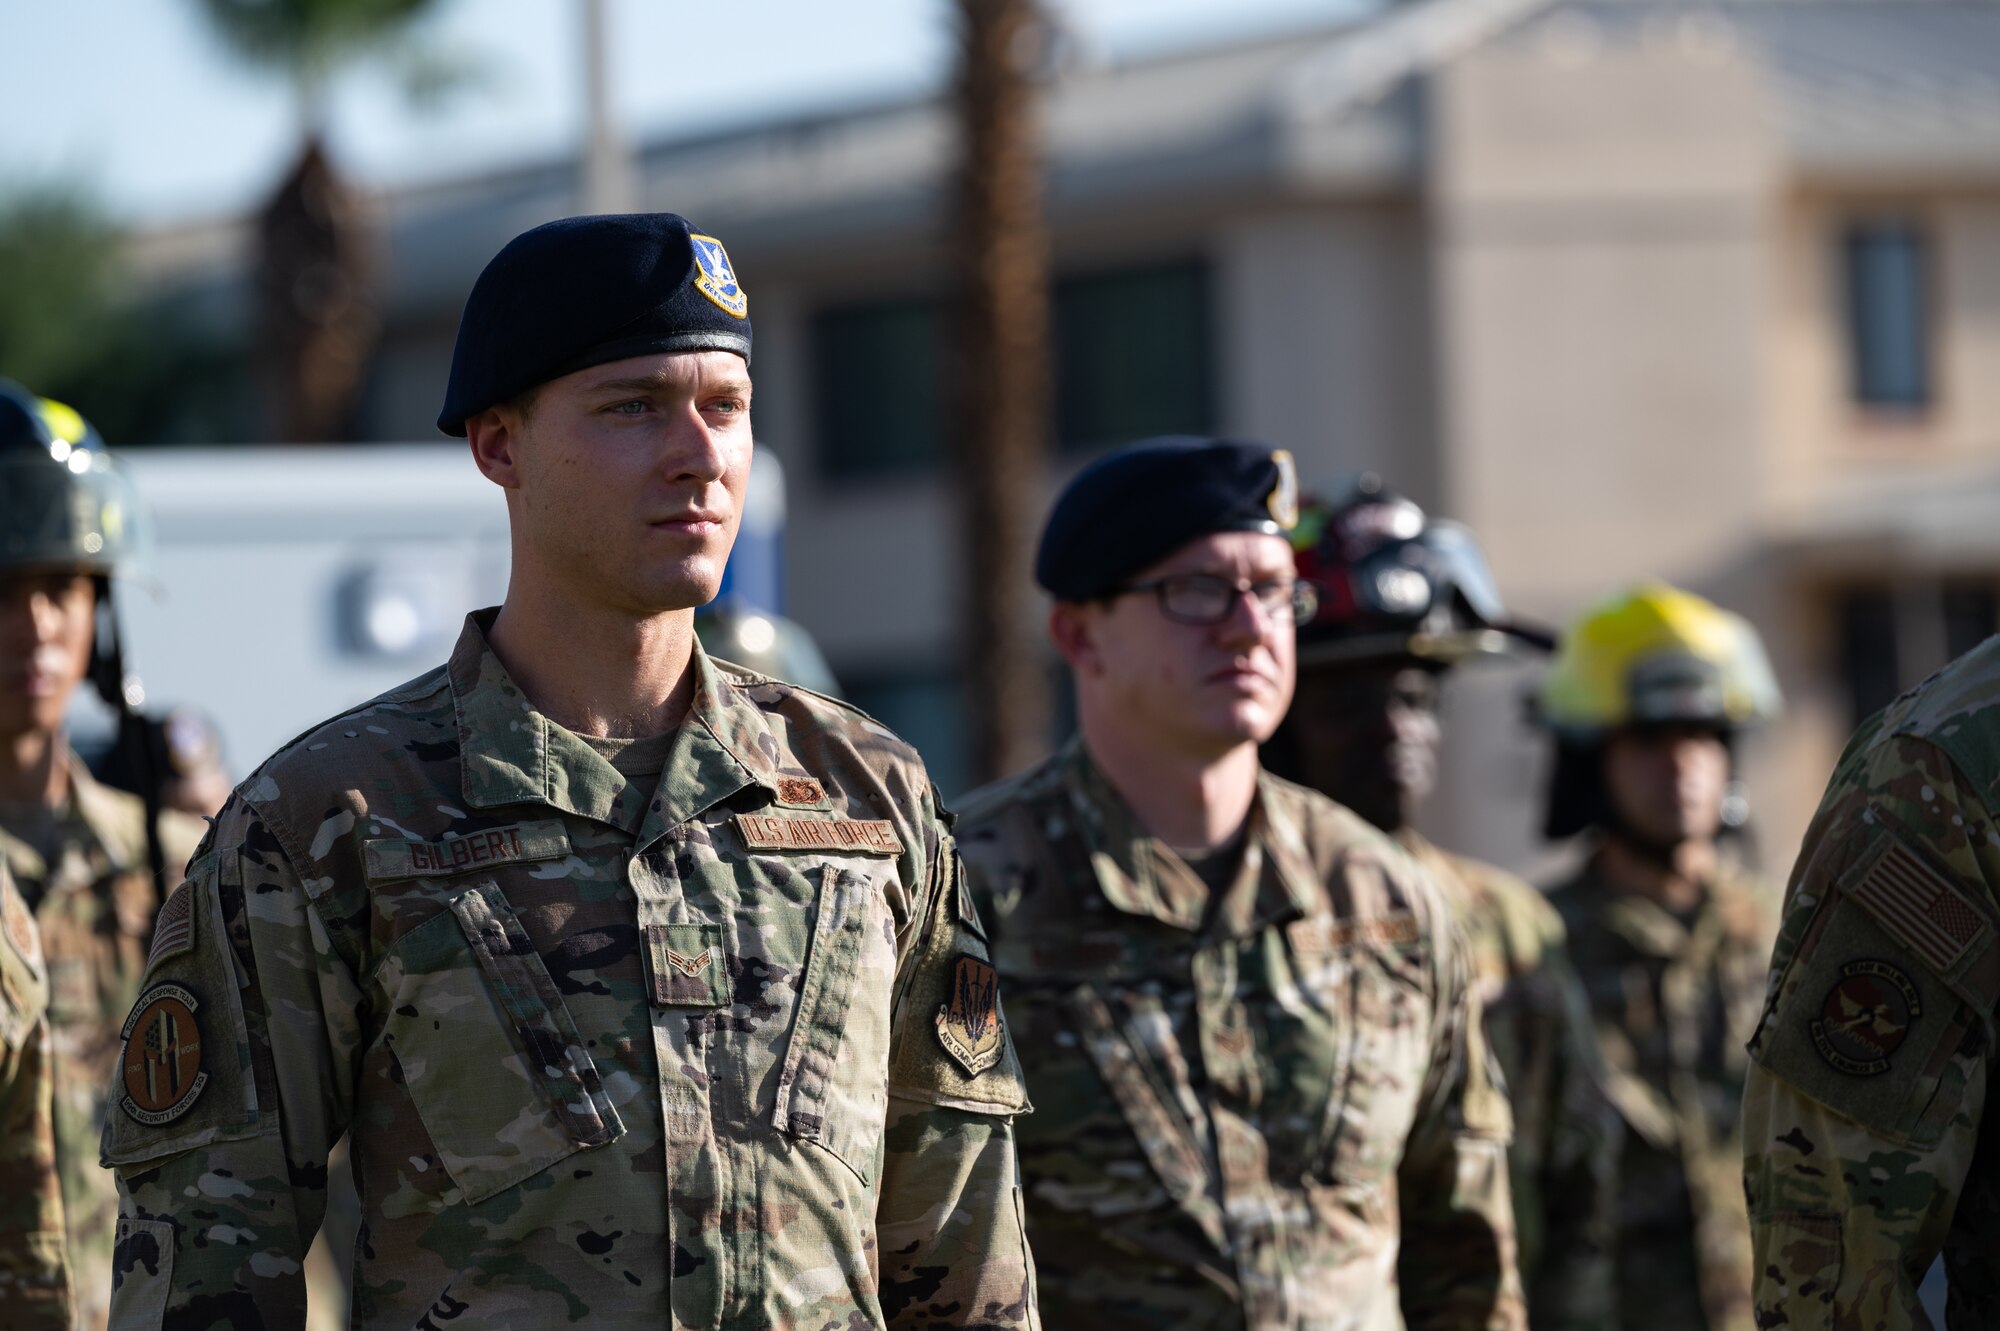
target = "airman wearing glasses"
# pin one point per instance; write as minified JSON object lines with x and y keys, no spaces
{"x":1263,"y":1098}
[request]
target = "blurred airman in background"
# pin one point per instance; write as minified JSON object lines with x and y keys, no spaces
{"x":1646,"y":698}
{"x":34,"y":1267}
{"x":1404,"y":600}
{"x":91,"y":862}
{"x":1262,"y":1099}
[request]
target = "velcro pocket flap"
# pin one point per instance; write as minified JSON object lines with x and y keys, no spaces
{"x":1862,"y":1026}
{"x":491,"y":1055}
{"x":184,"y":1077}
{"x":819,"y":1098}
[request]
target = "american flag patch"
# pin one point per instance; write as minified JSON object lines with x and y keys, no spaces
{"x":173,"y":931}
{"x":1919,"y":907}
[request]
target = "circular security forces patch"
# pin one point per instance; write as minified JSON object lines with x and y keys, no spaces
{"x":160,"y":1065}
{"x":1866,"y":1016}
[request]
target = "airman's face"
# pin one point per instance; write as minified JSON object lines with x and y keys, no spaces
{"x":47,"y":621}
{"x":625,"y":481}
{"x":1199,"y":689}
{"x":1368,"y":736}
{"x":1667,"y":783}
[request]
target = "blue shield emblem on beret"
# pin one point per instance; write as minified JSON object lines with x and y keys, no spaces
{"x":716,"y":278}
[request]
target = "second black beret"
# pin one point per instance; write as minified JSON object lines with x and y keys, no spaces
{"x":1132,"y":508}
{"x":584,"y":291}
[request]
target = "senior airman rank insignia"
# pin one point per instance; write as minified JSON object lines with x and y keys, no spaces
{"x":160,"y":1065}
{"x":717,"y":279}
{"x":968,"y":1026}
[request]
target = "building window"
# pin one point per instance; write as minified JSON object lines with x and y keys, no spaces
{"x":1888,"y":314}
{"x":1131,"y":358}
{"x":1891,"y":638}
{"x":878,"y":382}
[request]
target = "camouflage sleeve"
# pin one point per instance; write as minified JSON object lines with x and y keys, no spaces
{"x":1571,"y":1287}
{"x":233,"y":1084}
{"x":1458,"y":1252}
{"x":34,"y":1276}
{"x":954,"y":1249}
{"x":1863,"y":1110}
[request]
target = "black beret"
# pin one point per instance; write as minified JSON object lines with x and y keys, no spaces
{"x":1131,"y":509}
{"x":587,"y":290}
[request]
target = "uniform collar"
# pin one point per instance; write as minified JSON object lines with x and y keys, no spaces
{"x":89,"y":820}
{"x":1141,"y":875}
{"x":510,"y":753}
{"x":1728,"y":907}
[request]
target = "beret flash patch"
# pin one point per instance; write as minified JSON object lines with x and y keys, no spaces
{"x":1284,"y":500}
{"x":968,"y":1026}
{"x":717,"y":280}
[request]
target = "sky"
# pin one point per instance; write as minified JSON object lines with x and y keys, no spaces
{"x":138,"y":104}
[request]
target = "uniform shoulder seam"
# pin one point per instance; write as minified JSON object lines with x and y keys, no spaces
{"x":744,"y":676}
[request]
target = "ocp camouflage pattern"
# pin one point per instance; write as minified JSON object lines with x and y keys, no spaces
{"x":34,"y":1271}
{"x":1271,"y":1110}
{"x":94,"y":901}
{"x":609,"y":1066}
{"x":1674,"y":998}
{"x":1866,"y":1145}
{"x":1563,"y":1163}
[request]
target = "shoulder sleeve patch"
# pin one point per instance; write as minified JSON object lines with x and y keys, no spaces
{"x":1860,"y":1024}
{"x":173,"y":931}
{"x":949,"y":1044}
{"x":184,"y":1076}
{"x":1916,"y":903}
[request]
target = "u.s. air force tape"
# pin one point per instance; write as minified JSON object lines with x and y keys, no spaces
{"x":762,"y":831}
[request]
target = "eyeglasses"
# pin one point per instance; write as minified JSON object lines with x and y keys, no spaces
{"x":1204,"y":599}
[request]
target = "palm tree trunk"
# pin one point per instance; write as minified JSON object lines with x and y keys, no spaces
{"x":316,"y":314}
{"x":1000,"y":420}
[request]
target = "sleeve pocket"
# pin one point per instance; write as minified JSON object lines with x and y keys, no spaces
{"x":827,"y":1091}
{"x":142,"y":1274}
{"x":1798,"y":1258}
{"x":488,"y":1050}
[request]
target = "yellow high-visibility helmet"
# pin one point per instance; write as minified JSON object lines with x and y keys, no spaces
{"x":1657,"y":655}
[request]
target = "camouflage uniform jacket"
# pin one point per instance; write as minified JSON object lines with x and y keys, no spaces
{"x":1563,"y":1164}
{"x":1867,"y":1148}
{"x":709,"y":1053}
{"x":34,"y":1274}
{"x":1244,"y":1102}
{"x":1674,"y":999}
{"x":94,"y":903}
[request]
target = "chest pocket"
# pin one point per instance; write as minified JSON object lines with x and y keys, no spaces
{"x":832,"y":1089}
{"x":488,"y":1051}
{"x":1382,"y":991}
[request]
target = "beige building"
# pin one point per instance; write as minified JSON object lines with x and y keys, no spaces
{"x":1707,"y":292}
